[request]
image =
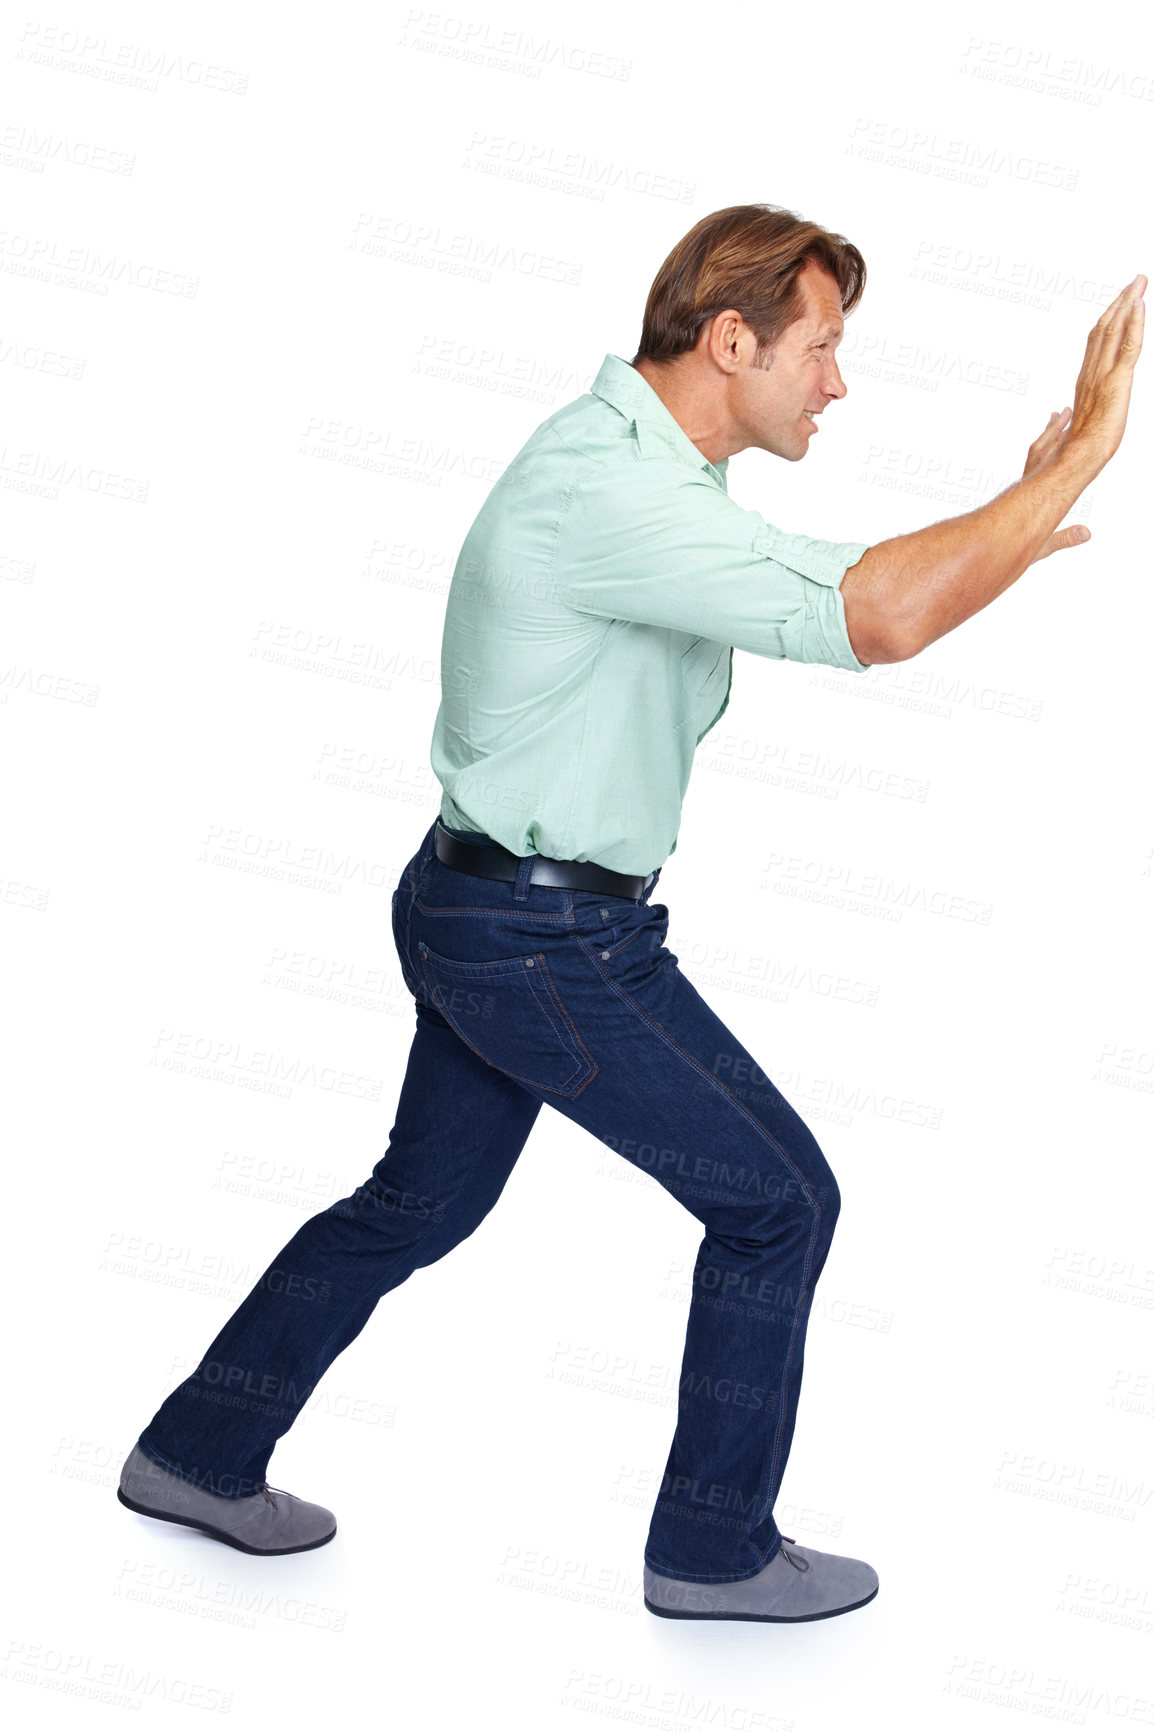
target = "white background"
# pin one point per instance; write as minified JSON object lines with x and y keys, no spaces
{"x":256,"y":378}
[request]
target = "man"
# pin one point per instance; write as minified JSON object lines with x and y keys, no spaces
{"x":588,"y":649}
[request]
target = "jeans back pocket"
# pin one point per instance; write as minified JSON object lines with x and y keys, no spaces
{"x":510,"y":1013}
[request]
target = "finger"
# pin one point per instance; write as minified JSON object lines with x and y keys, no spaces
{"x":1127,"y":303}
{"x":1122,"y":331}
{"x":1054,"y":427}
{"x":1132,"y":336}
{"x":1106,"y":336}
{"x":1039,"y":451}
{"x":1072,"y":536}
{"x":1123,"y":296}
{"x":1106,"y":319}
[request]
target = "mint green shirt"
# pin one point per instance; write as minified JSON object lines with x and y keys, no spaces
{"x":590,"y":627}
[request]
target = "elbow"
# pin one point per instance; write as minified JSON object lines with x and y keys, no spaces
{"x":898,"y":648}
{"x":877,"y":641}
{"x":877,"y":630}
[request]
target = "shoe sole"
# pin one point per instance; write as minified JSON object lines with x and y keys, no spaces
{"x":762,"y":1617}
{"x":219,"y":1533}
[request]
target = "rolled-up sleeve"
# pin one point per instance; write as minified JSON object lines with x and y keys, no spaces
{"x":653,"y":542}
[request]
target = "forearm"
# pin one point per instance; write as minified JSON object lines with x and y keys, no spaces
{"x":919,"y":586}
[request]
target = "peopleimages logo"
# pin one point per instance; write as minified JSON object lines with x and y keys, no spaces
{"x":1020,"y":64}
{"x":964,"y":159}
{"x":994,"y":275}
{"x":477,"y":40}
{"x":547,"y":164}
{"x":232,"y":1061}
{"x":382,"y":235}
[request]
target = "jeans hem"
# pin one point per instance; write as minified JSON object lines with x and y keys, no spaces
{"x":159,"y":1459}
{"x":663,"y":1570}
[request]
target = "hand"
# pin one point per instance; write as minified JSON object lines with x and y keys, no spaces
{"x":1102,"y":393}
{"x":1101,"y":400}
{"x":1048,"y":442}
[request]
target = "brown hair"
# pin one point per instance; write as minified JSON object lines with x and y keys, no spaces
{"x":748,"y":257}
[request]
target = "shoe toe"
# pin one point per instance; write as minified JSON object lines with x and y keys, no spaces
{"x":831,"y":1583}
{"x":308,"y":1522}
{"x":283,"y":1521}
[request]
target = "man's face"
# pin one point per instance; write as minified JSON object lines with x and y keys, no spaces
{"x":769,"y":405}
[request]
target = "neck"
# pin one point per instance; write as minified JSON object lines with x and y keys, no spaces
{"x":697,"y":410}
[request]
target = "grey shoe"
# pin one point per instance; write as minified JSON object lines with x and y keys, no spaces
{"x":796,"y":1586}
{"x":269,"y":1522}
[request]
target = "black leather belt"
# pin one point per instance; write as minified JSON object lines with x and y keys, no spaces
{"x":491,"y":860}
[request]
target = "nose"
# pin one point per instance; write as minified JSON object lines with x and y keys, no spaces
{"x":833,"y":384}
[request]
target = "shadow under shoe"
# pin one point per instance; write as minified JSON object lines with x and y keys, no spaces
{"x":269,"y":1523}
{"x":795,"y":1587}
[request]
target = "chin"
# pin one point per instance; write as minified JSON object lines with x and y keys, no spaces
{"x":788,"y":454}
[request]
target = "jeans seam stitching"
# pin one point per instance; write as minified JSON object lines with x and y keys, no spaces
{"x":525,"y":1081}
{"x":690,"y":1060}
{"x":774,"y":1144}
{"x":626,"y":942}
{"x":552,"y":985}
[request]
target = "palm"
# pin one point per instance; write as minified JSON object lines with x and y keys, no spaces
{"x":1045,"y":445}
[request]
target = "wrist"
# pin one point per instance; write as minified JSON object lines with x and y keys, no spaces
{"x":1077,"y":461}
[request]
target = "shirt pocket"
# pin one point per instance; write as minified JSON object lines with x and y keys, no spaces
{"x":510,"y":1014}
{"x":700,"y":662}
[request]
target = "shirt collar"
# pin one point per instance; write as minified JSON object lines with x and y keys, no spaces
{"x":624,"y":387}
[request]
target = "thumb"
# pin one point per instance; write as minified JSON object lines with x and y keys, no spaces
{"x":1071,"y":536}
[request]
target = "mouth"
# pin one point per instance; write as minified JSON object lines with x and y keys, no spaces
{"x":810,"y":415}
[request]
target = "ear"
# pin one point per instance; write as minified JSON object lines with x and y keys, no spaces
{"x":726,"y":337}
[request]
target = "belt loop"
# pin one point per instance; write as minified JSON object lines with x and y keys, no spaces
{"x":524,"y":878}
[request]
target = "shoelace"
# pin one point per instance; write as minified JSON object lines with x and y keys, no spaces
{"x":799,"y":1563}
{"x":267,"y":1490}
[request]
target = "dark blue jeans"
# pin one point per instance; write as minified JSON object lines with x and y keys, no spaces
{"x":525,"y":994}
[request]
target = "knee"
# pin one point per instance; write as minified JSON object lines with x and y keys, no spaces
{"x":798,"y":1206}
{"x":389,"y":1209}
{"x":828,"y":1197}
{"x":813,"y":1178}
{"x":806,"y":1186}
{"x":826,"y":1203}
